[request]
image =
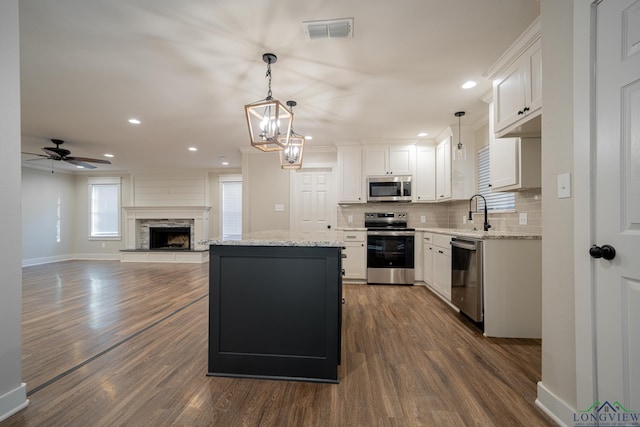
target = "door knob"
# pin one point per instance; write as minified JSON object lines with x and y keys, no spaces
{"x":605,"y":251}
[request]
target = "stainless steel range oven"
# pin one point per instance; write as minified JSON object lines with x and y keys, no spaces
{"x":390,"y":249}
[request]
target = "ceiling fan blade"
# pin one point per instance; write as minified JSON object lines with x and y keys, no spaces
{"x":88,"y":159}
{"x":76,"y":162}
{"x":35,"y":154}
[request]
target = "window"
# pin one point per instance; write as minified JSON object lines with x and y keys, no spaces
{"x":231,"y":207}
{"x":498,"y":201}
{"x":104,"y":208}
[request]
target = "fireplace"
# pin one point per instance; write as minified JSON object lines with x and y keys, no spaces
{"x":170,"y":238}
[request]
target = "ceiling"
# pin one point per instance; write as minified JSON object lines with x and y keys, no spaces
{"x":186,"y":69}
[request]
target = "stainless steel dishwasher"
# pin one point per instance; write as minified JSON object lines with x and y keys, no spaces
{"x":466,"y":276}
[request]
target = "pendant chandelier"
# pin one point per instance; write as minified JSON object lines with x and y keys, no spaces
{"x":269,"y":120}
{"x":460,"y":152}
{"x":291,"y":154}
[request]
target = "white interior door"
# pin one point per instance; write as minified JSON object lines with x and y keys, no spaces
{"x":617,"y":202}
{"x":312,"y":200}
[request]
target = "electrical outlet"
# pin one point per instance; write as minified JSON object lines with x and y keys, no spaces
{"x":104,"y":245}
{"x":350,"y":219}
{"x":423,"y":218}
{"x":464,"y":219}
{"x":523,"y":218}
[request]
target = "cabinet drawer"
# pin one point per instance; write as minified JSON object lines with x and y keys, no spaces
{"x":442,"y":240}
{"x":354,"y":236}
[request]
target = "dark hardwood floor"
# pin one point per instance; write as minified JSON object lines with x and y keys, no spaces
{"x":108,"y":343}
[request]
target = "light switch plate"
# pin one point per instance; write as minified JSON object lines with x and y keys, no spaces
{"x":279,"y":207}
{"x":350,"y":219}
{"x":523,"y":218}
{"x":464,"y":219}
{"x":564,"y":185}
{"x":423,"y":218}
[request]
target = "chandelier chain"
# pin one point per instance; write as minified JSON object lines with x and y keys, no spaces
{"x":268,"y":75}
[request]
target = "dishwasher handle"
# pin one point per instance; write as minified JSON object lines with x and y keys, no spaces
{"x":469,"y":245}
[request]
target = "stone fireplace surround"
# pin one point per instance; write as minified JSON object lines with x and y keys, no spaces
{"x":138,"y":219}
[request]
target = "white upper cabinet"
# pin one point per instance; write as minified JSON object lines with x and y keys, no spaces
{"x":455,"y":179}
{"x":424,"y":183}
{"x":389,"y":160}
{"x":443,"y":169}
{"x":515,"y":163}
{"x":350,"y":179}
{"x":517,"y":87}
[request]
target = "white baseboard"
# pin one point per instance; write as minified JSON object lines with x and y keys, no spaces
{"x":555,"y":407}
{"x":98,"y":257}
{"x":69,"y":257}
{"x":46,"y":260}
{"x":13,"y":401}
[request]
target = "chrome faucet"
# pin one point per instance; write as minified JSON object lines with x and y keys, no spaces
{"x":487,"y":226}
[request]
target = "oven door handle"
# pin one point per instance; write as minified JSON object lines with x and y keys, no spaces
{"x":390,"y":233}
{"x":464,"y":244}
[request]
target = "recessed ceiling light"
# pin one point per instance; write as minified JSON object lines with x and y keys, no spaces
{"x":469,"y":84}
{"x":80,"y":167}
{"x":223,"y":162}
{"x":421,"y":134}
{"x":108,"y":155}
{"x":308,"y":137}
{"x":134,"y":121}
{"x":193,"y":149}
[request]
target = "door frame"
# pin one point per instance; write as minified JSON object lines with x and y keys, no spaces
{"x":584,"y":146}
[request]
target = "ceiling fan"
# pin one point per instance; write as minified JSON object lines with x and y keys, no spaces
{"x":61,"y":154}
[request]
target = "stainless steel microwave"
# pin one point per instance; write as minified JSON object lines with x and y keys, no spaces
{"x":389,"y":188}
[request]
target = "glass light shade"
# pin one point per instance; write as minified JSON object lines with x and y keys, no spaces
{"x":291,"y":155}
{"x":460,"y":152}
{"x":269,"y":124}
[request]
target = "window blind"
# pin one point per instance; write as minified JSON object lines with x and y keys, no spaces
{"x":497,"y":201}
{"x":105,"y":210}
{"x":231,"y":210}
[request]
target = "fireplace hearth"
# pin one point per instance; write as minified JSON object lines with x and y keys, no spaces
{"x":169,"y":238}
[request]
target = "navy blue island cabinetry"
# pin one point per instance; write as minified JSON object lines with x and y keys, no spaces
{"x":275,"y":312}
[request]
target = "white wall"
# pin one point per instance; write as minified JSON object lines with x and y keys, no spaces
{"x":558,"y":327}
{"x":12,"y":390}
{"x":41,"y":193}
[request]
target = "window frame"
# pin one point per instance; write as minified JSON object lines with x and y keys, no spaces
{"x":95,"y":181}
{"x":222,"y":179}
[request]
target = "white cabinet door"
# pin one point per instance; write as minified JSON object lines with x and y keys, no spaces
{"x":376,"y":161}
{"x":443,"y":169}
{"x":504,"y":162}
{"x":517,"y":93}
{"x":389,"y":160}
{"x":401,"y":160}
{"x":350,"y":175}
{"x":442,"y":271}
{"x":424,"y":185}
{"x":427,"y":263}
{"x":355,"y":263}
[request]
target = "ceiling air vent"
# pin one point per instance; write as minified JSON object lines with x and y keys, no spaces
{"x":328,"y":29}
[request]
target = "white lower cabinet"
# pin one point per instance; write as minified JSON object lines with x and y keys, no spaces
{"x":441,"y":249}
{"x":427,"y":259}
{"x":355,"y":263}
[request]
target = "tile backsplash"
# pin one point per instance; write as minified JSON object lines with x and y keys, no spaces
{"x":450,"y":214}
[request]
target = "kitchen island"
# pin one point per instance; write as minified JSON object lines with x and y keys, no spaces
{"x":275,"y":306}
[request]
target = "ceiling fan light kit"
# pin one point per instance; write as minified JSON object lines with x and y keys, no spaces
{"x":269,"y":121}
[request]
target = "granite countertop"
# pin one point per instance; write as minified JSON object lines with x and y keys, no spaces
{"x":482,"y":235}
{"x":329,"y":238}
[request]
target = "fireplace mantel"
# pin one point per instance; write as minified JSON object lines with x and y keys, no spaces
{"x":199,"y":215}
